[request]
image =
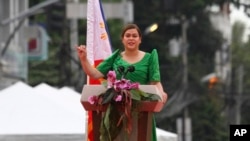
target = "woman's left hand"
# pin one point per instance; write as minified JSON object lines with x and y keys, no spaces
{"x":164,"y":97}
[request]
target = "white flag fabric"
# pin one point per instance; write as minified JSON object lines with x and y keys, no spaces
{"x":98,"y":43}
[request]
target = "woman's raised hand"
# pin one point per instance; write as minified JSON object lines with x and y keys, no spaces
{"x":82,"y":52}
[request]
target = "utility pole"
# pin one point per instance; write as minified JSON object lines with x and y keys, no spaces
{"x":221,"y":22}
{"x":186,"y":125}
{"x":184,"y":128}
{"x":239,"y":97}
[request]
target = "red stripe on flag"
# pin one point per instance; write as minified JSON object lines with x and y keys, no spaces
{"x":90,"y":122}
{"x":95,"y":81}
{"x":90,"y":127}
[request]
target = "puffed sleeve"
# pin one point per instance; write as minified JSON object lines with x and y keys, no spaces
{"x":154,"y":69}
{"x":107,"y":64}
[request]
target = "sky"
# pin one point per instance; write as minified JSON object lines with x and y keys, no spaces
{"x":239,"y":15}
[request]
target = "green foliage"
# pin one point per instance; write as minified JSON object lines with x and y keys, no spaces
{"x":108,"y":96}
{"x":56,"y":70}
{"x":115,"y":29}
{"x":203,"y":41}
{"x":240,"y":58}
{"x":209,"y":122}
{"x":108,"y":130}
{"x":138,"y":95}
{"x":238,"y":47}
{"x":50,"y":71}
{"x":45,"y":71}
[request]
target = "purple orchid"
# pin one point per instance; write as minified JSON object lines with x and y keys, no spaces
{"x":122,"y":84}
{"x":134,"y":85}
{"x":92,"y":99}
{"x":118,"y":98}
{"x":111,"y":78}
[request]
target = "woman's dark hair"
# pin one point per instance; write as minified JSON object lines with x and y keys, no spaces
{"x":131,"y":26}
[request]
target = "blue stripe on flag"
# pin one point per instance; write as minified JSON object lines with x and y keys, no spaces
{"x":106,"y":26}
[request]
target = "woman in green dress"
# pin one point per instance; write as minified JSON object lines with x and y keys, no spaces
{"x":146,"y":64}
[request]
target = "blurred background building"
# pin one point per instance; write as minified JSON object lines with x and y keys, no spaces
{"x":13,"y":49}
{"x":19,"y":41}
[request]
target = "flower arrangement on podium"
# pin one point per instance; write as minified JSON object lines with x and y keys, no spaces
{"x":121,"y":98}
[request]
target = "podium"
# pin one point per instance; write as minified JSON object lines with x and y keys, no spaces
{"x":142,"y":125}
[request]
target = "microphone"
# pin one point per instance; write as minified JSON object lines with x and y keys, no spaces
{"x":129,"y":69}
{"x":121,"y":70}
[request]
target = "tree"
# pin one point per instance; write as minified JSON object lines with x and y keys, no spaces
{"x":56,"y":16}
{"x":203,"y":41}
{"x":54,"y":20}
{"x":240,"y":57}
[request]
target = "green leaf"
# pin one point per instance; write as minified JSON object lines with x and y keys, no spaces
{"x":151,"y":97}
{"x":143,"y":93}
{"x":108,"y":96}
{"x":104,"y":83}
{"x":105,"y":125}
{"x":114,"y":117}
{"x":109,"y":129}
{"x":135,"y":95}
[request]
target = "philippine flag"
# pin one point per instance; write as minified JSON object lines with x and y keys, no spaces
{"x":98,"y":45}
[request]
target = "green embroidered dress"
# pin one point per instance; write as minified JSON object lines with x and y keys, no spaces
{"x":146,"y":71}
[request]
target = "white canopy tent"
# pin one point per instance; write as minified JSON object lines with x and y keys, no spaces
{"x":29,"y":114}
{"x":46,"y":113}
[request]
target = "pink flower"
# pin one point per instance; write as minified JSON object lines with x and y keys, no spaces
{"x":121,"y":84}
{"x":92,"y":99}
{"x":111,"y":78}
{"x":118,"y":98}
{"x":134,"y":85}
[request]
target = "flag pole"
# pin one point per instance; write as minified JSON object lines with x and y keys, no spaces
{"x":87,"y":120}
